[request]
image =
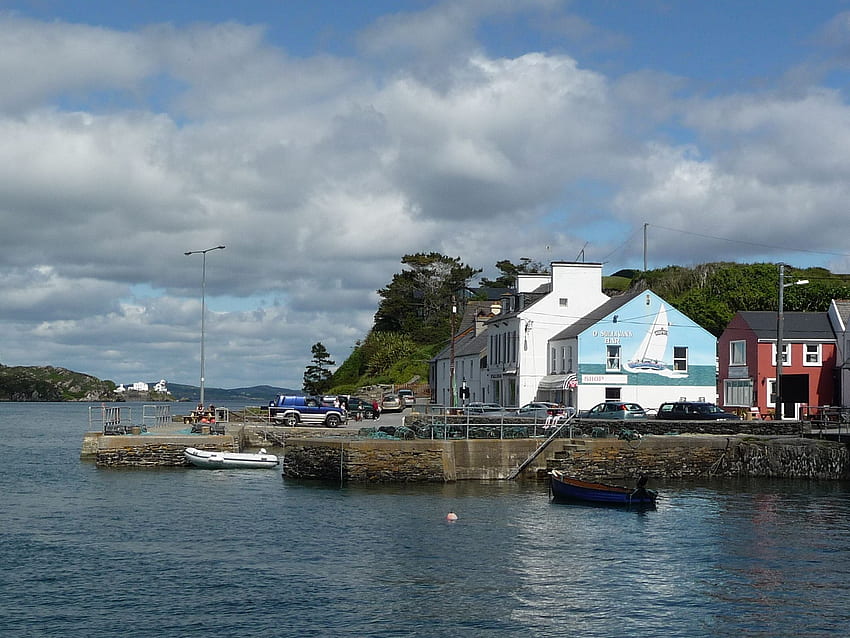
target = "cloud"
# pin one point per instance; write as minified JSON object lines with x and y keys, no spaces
{"x":124,"y":149}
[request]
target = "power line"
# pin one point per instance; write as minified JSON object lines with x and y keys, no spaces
{"x":750,"y":243}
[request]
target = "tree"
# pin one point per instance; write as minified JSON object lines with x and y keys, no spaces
{"x":418,"y":300}
{"x":317,"y":376}
{"x":510,"y":271}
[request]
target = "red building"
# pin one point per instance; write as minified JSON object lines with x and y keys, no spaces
{"x":747,"y":362}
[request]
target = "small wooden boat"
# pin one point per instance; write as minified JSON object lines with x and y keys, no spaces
{"x":239,"y":460}
{"x":566,"y":488}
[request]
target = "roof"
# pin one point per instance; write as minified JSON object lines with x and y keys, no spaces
{"x":842,"y":306}
{"x":796,"y":325}
{"x":595,"y":316}
{"x":466,"y":342}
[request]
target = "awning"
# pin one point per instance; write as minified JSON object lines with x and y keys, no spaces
{"x":553,"y":382}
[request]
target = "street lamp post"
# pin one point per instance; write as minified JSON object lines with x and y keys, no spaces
{"x":203,"y":305}
{"x":780,"y":326}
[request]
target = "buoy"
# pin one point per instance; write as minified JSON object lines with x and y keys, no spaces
{"x":451,"y":516}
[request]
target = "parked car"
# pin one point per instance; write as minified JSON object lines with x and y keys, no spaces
{"x":407,"y":397}
{"x":293,"y":410}
{"x":360,"y":407}
{"x":694,"y":411}
{"x":538,"y":409}
{"x":391,"y":403}
{"x":614,"y":410}
{"x":477,"y":407}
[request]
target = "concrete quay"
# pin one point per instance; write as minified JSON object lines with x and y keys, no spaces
{"x":344,"y":454}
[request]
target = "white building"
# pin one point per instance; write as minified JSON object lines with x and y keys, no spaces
{"x":543,"y":306}
{"x":559,"y":338}
{"x":470,"y":358}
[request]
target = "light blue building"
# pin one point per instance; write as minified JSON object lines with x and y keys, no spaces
{"x":634,"y":347}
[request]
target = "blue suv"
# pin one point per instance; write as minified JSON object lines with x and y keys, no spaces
{"x":294,"y":410}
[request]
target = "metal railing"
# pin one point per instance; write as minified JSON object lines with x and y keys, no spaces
{"x":440,"y":422}
{"x":111,"y":419}
{"x":156,"y":417}
{"x":827,"y":420}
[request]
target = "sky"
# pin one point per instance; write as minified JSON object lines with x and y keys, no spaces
{"x":320,"y":142}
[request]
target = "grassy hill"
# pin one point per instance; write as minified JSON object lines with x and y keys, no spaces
{"x":710,"y":294}
{"x":47,"y":383}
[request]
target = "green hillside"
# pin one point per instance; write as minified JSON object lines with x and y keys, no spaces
{"x":46,"y":383}
{"x":397,"y":349}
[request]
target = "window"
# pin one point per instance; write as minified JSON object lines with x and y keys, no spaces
{"x":564,"y":302}
{"x":812,"y":354}
{"x":737,"y":353}
{"x":738,"y":393}
{"x":612,"y":357}
{"x":680,"y":358}
{"x":612,"y":394}
{"x":552,"y":361}
{"x":786,"y":354}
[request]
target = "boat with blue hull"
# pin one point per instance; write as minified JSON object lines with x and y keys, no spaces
{"x":570,"y":489}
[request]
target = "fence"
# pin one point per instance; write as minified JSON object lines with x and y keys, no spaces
{"x":441,"y":422}
{"x":112,"y":419}
{"x":827,"y":419}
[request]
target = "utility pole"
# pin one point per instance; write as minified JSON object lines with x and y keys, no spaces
{"x":780,"y":325}
{"x":452,"y":354}
{"x":645,"y":225}
{"x":203,"y":305}
{"x":780,"y":328}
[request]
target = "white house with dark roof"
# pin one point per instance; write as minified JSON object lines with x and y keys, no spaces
{"x":839,"y":317}
{"x":542,"y":306}
{"x":559,"y":338}
{"x":470,"y":358}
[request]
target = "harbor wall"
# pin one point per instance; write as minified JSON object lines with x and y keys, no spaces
{"x":705,"y":456}
{"x":382,"y":460}
{"x":331,"y":454}
{"x":151,"y":450}
{"x":656,"y":456}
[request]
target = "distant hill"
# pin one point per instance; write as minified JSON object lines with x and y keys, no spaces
{"x":254,"y":395}
{"x":46,"y":383}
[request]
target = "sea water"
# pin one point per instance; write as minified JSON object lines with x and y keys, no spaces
{"x":97,"y":552}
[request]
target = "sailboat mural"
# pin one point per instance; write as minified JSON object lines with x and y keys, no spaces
{"x":649,"y":356}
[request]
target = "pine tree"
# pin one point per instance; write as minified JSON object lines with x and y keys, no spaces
{"x":317,"y":376}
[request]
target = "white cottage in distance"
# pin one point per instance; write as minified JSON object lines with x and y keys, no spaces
{"x":141,"y":386}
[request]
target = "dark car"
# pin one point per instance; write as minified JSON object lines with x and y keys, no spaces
{"x":360,"y":408}
{"x":614,"y":410}
{"x":694,"y":411}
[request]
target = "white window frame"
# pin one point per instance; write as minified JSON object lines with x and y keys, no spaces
{"x":738,"y":393}
{"x":818,"y":354}
{"x":609,"y":358}
{"x":684,"y":359}
{"x":739,"y":347}
{"x":786,"y":354}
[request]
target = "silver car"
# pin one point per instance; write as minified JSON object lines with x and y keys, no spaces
{"x":614,"y":410}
